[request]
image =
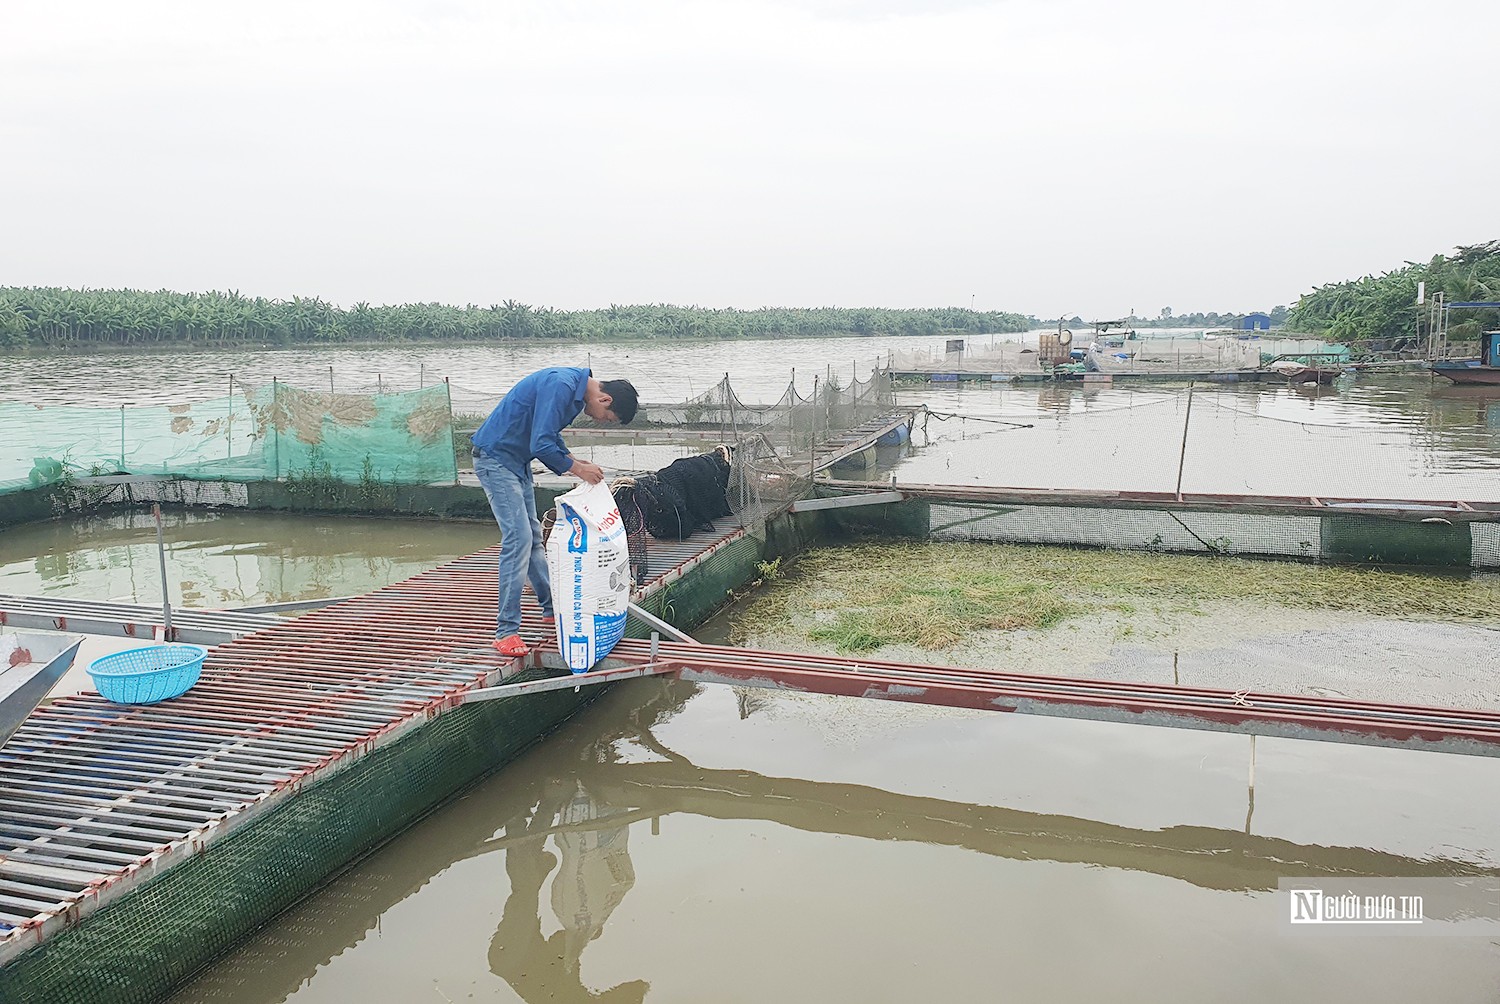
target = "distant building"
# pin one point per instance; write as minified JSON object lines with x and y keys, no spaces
{"x":1255,"y":322}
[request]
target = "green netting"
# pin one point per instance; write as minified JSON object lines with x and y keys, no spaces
{"x":262,"y":433}
{"x":405,"y":438}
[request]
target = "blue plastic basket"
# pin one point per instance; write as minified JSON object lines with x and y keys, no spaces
{"x":147,"y":675}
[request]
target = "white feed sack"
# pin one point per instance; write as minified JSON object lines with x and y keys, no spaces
{"x":590,"y":569}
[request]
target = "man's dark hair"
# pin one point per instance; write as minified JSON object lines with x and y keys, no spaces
{"x":623,"y":398}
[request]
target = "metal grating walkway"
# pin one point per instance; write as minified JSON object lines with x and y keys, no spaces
{"x":130,"y":620}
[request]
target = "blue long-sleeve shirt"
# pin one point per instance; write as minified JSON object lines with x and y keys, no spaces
{"x":528,"y":421}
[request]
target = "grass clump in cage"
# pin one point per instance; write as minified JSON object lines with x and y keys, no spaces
{"x":932,"y":595}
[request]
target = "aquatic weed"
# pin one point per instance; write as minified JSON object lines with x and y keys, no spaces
{"x":934,"y":594}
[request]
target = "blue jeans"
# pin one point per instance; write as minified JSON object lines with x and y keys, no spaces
{"x":522,"y":557}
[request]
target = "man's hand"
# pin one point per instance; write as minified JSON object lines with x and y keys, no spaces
{"x":590,"y":472}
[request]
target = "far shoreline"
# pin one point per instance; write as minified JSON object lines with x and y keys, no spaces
{"x":116,"y":348}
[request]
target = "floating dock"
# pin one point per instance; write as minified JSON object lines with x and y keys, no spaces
{"x":1424,"y":532}
{"x":137,"y":843}
{"x":957,"y":376}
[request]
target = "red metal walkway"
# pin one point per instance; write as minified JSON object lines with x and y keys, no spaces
{"x":1446,"y":730}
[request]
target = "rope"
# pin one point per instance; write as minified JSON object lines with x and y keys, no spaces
{"x":943,"y":416}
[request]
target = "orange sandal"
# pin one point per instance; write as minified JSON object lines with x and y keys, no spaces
{"x":512,"y":647}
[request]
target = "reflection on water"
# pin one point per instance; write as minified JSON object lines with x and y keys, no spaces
{"x":928,"y":864}
{"x":1391,"y":438}
{"x":223,"y":559}
{"x":594,"y":873}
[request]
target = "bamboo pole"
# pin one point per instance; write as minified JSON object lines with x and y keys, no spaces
{"x":1182,"y":456}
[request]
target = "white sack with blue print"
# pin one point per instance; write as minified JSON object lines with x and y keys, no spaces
{"x":590,"y":567}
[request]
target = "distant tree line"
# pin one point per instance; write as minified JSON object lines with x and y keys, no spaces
{"x":49,"y":317}
{"x":1167,"y":319}
{"x":1385,"y":307}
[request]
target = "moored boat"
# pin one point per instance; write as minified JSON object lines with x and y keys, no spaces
{"x":1474,"y":371}
{"x":1467,"y":371}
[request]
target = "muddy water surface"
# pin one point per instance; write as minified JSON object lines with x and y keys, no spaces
{"x":684,"y":844}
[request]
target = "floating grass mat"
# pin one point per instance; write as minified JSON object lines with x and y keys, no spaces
{"x":864,"y":596}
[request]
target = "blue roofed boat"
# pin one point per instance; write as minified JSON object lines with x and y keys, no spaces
{"x":1485,"y":369}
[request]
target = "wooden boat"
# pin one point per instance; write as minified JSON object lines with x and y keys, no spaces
{"x":1299,"y":374}
{"x":30,"y":666}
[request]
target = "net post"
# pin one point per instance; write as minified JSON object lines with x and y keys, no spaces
{"x":275,"y":432}
{"x":725,"y":394}
{"x":1186,"y":420}
{"x":122,"y":439}
{"x":737,"y":452}
{"x":448,"y":393}
{"x":812,"y":438}
{"x":229,"y":446}
{"x":161,"y":557}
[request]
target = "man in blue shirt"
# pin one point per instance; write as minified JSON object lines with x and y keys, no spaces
{"x":527,"y":425}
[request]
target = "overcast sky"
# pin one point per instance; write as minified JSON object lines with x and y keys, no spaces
{"x":1042,"y":156}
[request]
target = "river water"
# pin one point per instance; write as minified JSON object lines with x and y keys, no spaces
{"x":1389,"y":436}
{"x":677,"y":843}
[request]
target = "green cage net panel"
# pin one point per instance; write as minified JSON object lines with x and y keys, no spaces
{"x":259,"y":433}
